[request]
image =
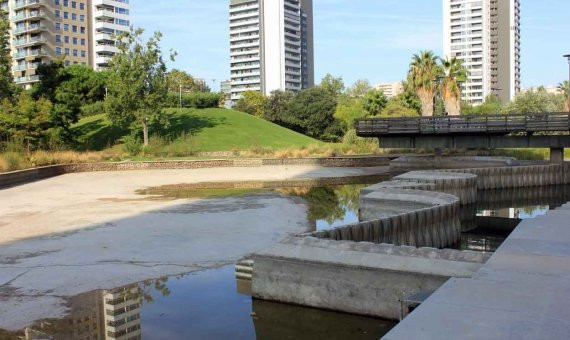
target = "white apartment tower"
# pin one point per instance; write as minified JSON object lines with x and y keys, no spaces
{"x":77,"y":31}
{"x":271,"y":46}
{"x":109,"y":18}
{"x":485,"y":34}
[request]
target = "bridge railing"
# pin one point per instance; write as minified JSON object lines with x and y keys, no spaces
{"x":473,"y":124}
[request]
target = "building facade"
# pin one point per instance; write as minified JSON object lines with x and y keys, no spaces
{"x":391,"y":89}
{"x":271,"y":46}
{"x":485,"y":34}
{"x":45,"y":30}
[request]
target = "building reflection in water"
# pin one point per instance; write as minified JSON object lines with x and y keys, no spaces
{"x":99,"y":315}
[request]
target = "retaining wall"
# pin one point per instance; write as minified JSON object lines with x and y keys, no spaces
{"x":25,"y":176}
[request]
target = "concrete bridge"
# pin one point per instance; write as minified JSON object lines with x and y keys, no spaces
{"x":544,"y":130}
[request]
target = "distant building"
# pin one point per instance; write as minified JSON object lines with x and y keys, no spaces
{"x":271,"y":46}
{"x":548,"y":89}
{"x":79,"y":31}
{"x":391,"y":89}
{"x":485,"y":34}
{"x":226,"y":89}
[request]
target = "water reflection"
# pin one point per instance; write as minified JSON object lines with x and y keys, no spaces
{"x":200,"y":305}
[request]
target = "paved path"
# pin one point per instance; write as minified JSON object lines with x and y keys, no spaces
{"x":80,"y":232}
{"x":522,"y":292}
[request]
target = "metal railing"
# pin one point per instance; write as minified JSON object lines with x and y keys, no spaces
{"x":474,"y":124}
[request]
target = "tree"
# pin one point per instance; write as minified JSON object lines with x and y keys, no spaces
{"x":491,"y":105}
{"x":277,"y":105}
{"x":312,"y":111}
{"x":27,"y":120}
{"x":360,"y":88}
{"x":252,"y":102}
{"x":397,"y":108}
{"x":422,"y":76}
{"x":538,"y":101}
{"x":137,"y":85}
{"x":334,"y":86}
{"x":181,"y":80}
{"x":454,"y":73}
{"x":564,"y":88}
{"x":6,"y":79}
{"x":374,"y":102}
{"x":349,"y":109}
{"x":68,"y":88}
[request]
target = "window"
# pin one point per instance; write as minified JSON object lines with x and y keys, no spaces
{"x":73,"y":4}
{"x":65,"y":3}
{"x":73,"y":16}
{"x":57,"y":13}
{"x":57,"y":38}
{"x":56,"y":2}
{"x":58,"y":50}
{"x":66,"y":27}
{"x":82,"y":41}
{"x":82,"y":18}
{"x":82,"y":29}
{"x":65,"y":15}
{"x":75,"y":53}
{"x":74,"y":28}
{"x":67,"y":51}
{"x":58,"y":26}
{"x":67,"y":63}
{"x":74,"y":41}
{"x":83,"y":53}
{"x":81,"y":6}
{"x":66,"y":39}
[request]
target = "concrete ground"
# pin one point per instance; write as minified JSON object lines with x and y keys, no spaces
{"x":80,"y":232}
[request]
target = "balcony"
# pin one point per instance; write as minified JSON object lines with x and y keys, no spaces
{"x":20,"y":4}
{"x":33,"y":53}
{"x":28,"y":16}
{"x":29,"y":42}
{"x":29,"y":28}
{"x":24,"y":67}
{"x":28,"y":79}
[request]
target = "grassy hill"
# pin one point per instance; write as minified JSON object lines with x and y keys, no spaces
{"x":211,"y":130}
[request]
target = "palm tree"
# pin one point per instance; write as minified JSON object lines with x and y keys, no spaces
{"x":564,"y":87}
{"x":422,"y":76}
{"x":454,"y":73}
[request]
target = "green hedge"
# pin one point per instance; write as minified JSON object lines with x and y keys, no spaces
{"x":198,"y":100}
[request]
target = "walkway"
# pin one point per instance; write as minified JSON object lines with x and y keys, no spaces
{"x":522,"y":292}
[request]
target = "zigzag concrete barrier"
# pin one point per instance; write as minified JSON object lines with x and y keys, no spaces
{"x":352,"y":269}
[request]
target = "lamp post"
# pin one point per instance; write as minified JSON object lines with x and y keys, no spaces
{"x":180,"y":95}
{"x":567,"y":56}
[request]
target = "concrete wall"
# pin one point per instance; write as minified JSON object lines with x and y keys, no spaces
{"x":360,"y":278}
{"x":25,"y":176}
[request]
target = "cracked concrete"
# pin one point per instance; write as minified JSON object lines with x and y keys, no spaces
{"x":63,"y":236}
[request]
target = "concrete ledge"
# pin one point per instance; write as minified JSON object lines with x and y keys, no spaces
{"x":462,"y":185}
{"x":30,"y":175}
{"x":359,"y":278}
{"x":429,"y":162}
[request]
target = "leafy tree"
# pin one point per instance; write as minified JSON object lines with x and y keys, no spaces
{"x":491,"y":105}
{"x":396,"y":108}
{"x":137,"y":86}
{"x":312,"y":111}
{"x":349,"y":109}
{"x":454,"y":73}
{"x":277,"y":105}
{"x":27,"y":120}
{"x":6,"y":79}
{"x":374,"y":102}
{"x":68,"y":88}
{"x":252,"y":102}
{"x":538,"y":101}
{"x":178,"y":79}
{"x":334,"y":86}
{"x":409,"y":98}
{"x":422,"y":76}
{"x":360,"y":88}
{"x":564,"y":88}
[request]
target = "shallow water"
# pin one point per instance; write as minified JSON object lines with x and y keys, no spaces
{"x":201,"y":305}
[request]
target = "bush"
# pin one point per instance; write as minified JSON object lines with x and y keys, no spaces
{"x":183,"y":146}
{"x":93,"y":109}
{"x":11,"y":161}
{"x":132,"y":144}
{"x":196,"y":100}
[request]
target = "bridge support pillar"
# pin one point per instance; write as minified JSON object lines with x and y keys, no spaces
{"x":557,"y":155}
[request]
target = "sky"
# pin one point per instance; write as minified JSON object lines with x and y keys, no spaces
{"x":354,"y":39}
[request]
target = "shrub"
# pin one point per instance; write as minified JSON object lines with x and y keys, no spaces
{"x":132,"y":144}
{"x":196,"y":100}
{"x":11,"y":161}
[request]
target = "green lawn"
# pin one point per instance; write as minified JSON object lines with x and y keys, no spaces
{"x":211,"y":129}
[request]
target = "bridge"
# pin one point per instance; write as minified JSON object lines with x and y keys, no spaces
{"x":544,"y":130}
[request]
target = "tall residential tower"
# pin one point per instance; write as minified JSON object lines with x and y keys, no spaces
{"x":79,"y":31}
{"x":271,"y":46}
{"x":485,"y":34}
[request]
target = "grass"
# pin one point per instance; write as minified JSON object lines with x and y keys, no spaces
{"x":212,"y":129}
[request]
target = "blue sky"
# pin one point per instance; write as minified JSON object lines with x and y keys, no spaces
{"x":355,"y":39}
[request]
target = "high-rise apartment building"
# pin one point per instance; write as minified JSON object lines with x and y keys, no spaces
{"x":391,"y":89}
{"x":79,"y":31}
{"x":271,"y":46}
{"x":485,"y":34}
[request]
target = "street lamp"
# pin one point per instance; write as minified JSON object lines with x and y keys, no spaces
{"x":567,"y":56}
